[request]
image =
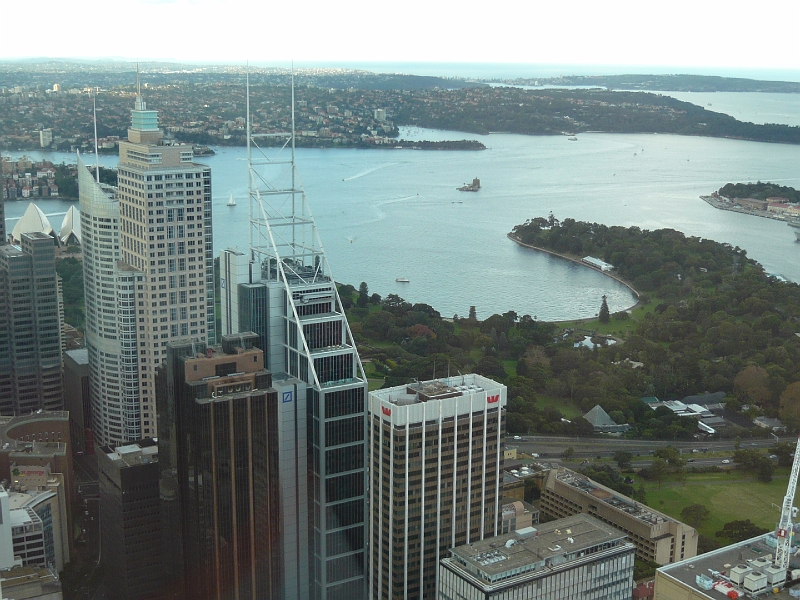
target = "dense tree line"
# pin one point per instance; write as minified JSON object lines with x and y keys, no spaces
{"x":555,"y":111}
{"x":759,"y":191}
{"x":721,"y":323}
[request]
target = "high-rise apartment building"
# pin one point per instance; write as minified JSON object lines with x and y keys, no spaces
{"x":282,"y":289}
{"x":30,"y":326}
{"x":435,"y":479}
{"x":149,"y":277}
{"x":235,"y":524}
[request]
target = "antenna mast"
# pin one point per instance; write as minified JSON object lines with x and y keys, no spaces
{"x":96,"y":152}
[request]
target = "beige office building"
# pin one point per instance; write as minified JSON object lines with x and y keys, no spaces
{"x":435,"y":478}
{"x":165,"y":250}
{"x":657,"y":537}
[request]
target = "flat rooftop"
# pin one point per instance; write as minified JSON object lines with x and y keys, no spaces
{"x":717,"y":565}
{"x":756,"y":553}
{"x":635,"y":509}
{"x":538,"y":548}
{"x":436,"y":389}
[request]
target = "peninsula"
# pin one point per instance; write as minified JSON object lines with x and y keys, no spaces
{"x":49,"y":106}
{"x":768,"y":200}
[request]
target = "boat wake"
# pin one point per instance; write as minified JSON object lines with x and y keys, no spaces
{"x":368,"y":171}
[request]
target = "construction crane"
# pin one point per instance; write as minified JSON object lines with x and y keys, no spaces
{"x":784,"y":531}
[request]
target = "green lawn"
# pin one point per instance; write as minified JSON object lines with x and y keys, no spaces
{"x":570,"y":411}
{"x":730,"y":496}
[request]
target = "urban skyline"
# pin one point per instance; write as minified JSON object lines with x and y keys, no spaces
{"x":282,"y":451}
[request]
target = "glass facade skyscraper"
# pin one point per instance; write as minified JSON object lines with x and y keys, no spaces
{"x":282,"y":288}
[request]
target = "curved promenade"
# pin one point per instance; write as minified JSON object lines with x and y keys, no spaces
{"x":513,"y":238}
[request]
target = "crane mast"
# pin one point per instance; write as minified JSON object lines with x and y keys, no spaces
{"x":784,"y":531}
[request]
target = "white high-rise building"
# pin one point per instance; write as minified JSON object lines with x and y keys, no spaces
{"x":436,"y":460}
{"x":150,"y":274}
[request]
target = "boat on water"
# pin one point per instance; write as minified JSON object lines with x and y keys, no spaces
{"x":572,"y":138}
{"x":402,"y":280}
{"x":231,"y":201}
{"x":795,"y":223}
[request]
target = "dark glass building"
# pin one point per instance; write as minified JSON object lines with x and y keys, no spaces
{"x":129,"y":519}
{"x":30,"y":327}
{"x":222,"y":482}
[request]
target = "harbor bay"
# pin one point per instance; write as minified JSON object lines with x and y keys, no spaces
{"x":385,"y":215}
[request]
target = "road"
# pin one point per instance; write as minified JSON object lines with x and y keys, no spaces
{"x":554,"y":446}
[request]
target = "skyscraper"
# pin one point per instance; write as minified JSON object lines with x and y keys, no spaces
{"x":110,"y":298}
{"x":149,"y":277}
{"x":435,"y":477}
{"x":228,"y":477}
{"x":165,"y":233}
{"x":30,"y":326}
{"x":284,"y":291}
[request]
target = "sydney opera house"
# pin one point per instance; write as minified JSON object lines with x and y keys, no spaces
{"x":34,"y":220}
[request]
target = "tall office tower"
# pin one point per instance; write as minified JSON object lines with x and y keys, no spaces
{"x":30,"y":327}
{"x":150,"y":278}
{"x":110,"y":297}
{"x":130,"y":519}
{"x":229,"y":478}
{"x":436,"y":459}
{"x":283,"y":289}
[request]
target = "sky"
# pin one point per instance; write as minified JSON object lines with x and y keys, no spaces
{"x":676,"y":36}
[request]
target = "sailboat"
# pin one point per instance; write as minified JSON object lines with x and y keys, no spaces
{"x":231,"y":201}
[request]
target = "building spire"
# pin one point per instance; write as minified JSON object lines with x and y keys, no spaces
{"x":96,"y":151}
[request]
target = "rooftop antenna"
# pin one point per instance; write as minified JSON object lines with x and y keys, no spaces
{"x":96,"y":154}
{"x":249,"y":156}
{"x":434,"y":369}
{"x":138,"y":82}
{"x":294,"y":167}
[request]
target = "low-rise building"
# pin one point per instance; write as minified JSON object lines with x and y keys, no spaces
{"x":603,"y":423}
{"x":30,"y":583}
{"x":657,"y":537}
{"x":576,"y":557}
{"x":741,"y":570}
{"x":517,"y":514}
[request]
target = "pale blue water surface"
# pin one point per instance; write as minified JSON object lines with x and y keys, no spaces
{"x":384,"y":214}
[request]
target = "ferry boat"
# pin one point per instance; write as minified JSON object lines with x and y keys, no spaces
{"x":402,"y":280}
{"x":795,"y":223}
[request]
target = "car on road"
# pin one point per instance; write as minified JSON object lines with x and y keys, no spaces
{"x":773,"y":456}
{"x":518,"y":438}
{"x":726,"y":462}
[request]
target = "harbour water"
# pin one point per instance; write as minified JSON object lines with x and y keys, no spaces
{"x":388,"y":214}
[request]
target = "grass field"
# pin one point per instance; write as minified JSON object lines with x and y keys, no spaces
{"x":570,"y":411}
{"x":730,"y":496}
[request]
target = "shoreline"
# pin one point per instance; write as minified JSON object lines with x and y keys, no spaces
{"x":745,"y":211}
{"x":583,"y":264}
